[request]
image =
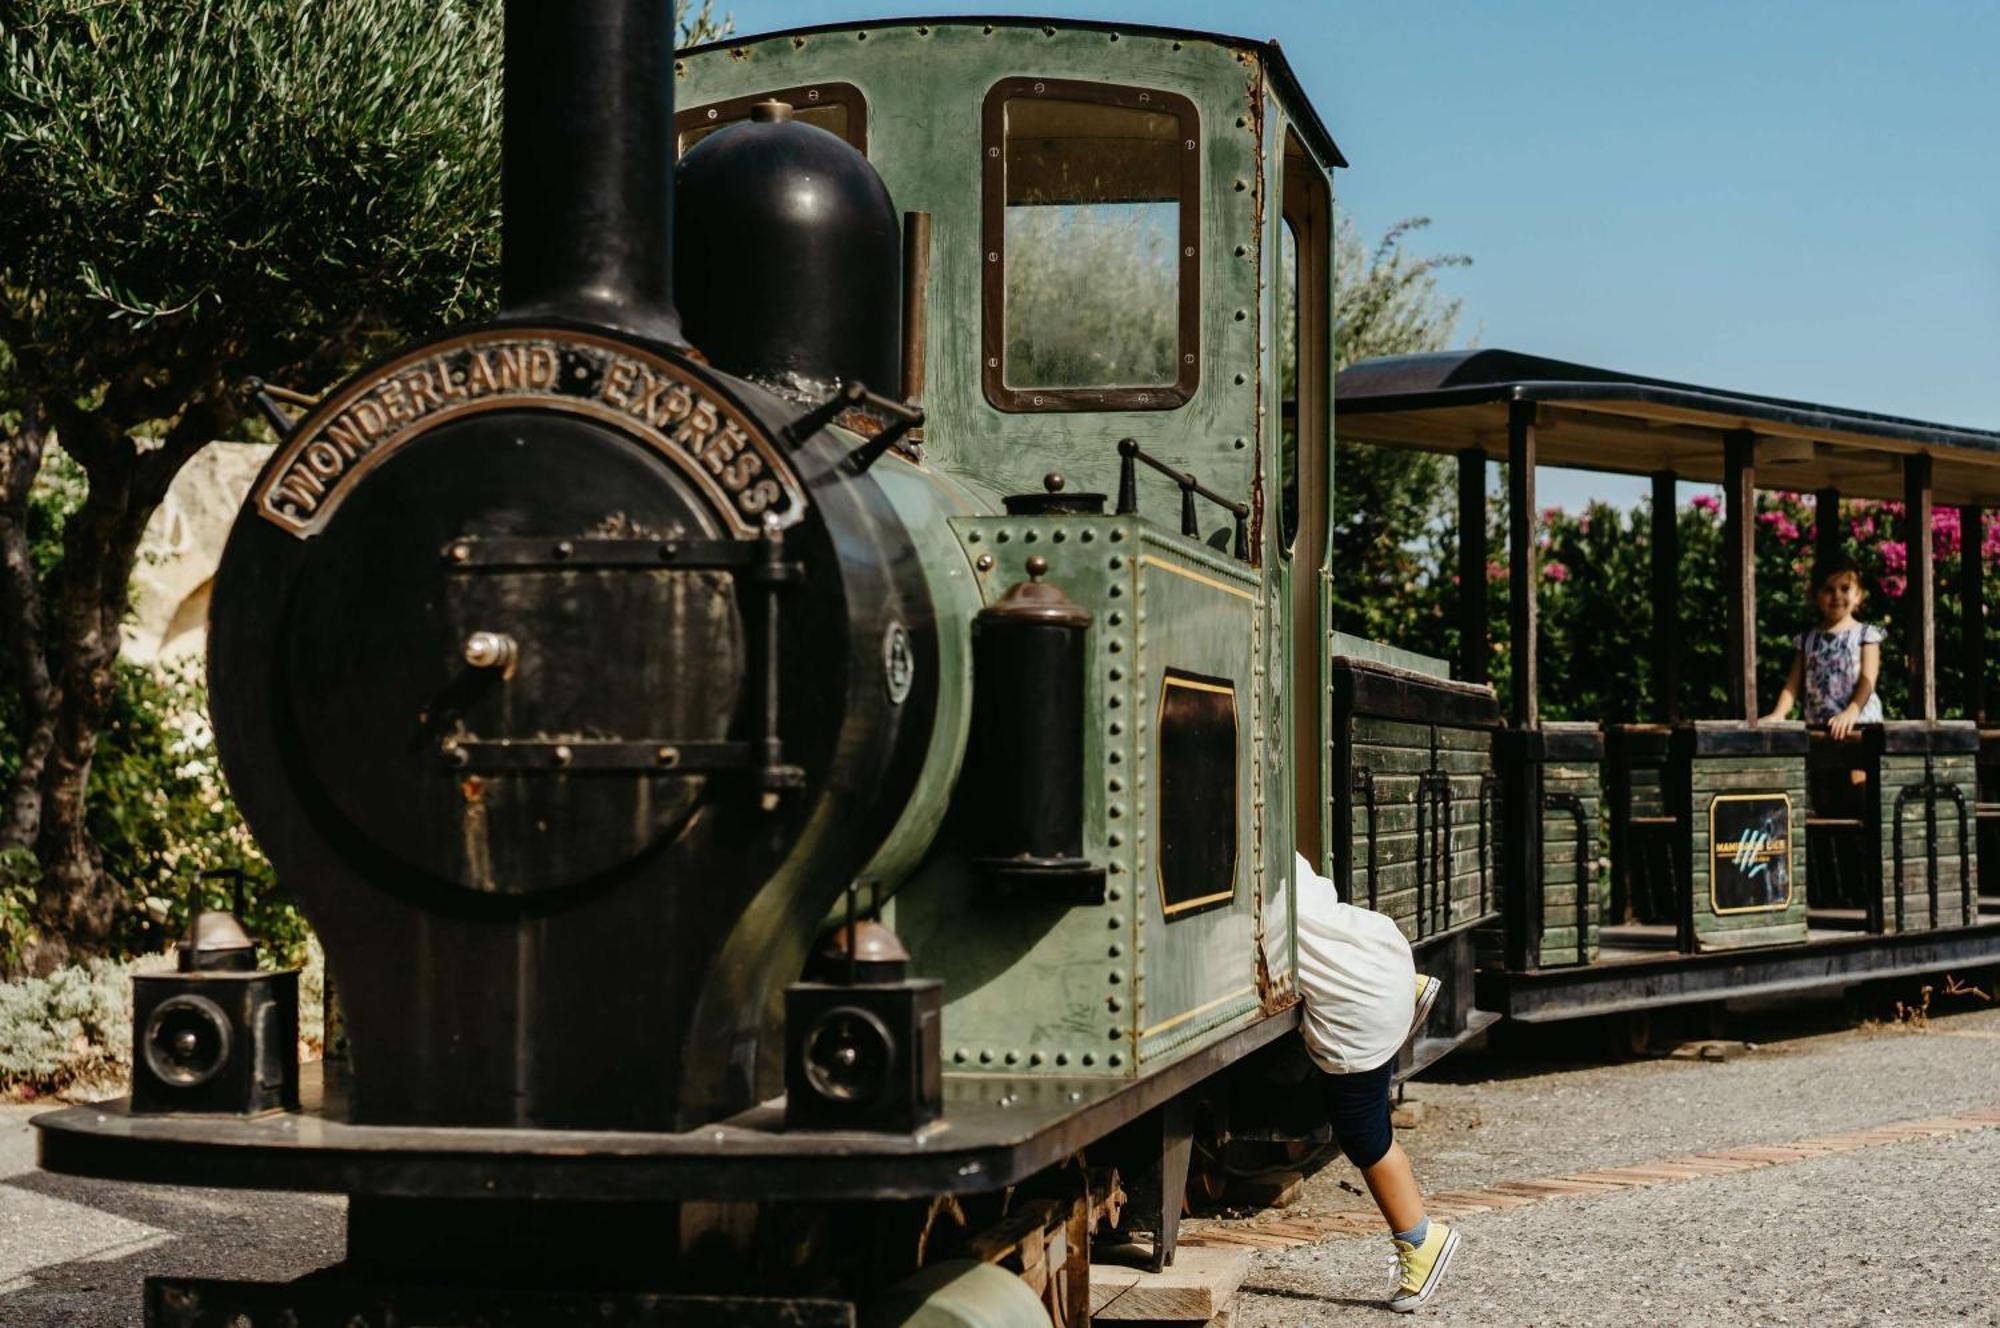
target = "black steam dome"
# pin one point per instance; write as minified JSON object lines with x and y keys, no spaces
{"x":787,"y":258}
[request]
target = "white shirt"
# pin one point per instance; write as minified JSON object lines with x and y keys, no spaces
{"x":1356,"y":975}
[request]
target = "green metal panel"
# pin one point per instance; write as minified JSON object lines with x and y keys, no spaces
{"x":925,"y":84}
{"x":1559,"y":866}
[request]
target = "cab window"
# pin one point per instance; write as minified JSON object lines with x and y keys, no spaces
{"x":1091,"y":237}
{"x":838,"y":108}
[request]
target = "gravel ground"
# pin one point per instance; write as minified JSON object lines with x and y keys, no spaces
{"x":1900,"y":1234}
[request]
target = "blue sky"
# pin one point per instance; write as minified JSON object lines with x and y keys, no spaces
{"x":1797,"y":197}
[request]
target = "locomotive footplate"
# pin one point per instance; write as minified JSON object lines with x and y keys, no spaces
{"x":334,"y":1301}
{"x":995,"y":1131}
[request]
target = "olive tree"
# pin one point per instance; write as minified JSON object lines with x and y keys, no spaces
{"x":193,"y":192}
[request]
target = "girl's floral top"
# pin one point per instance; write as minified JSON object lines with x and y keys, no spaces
{"x":1833,"y":671}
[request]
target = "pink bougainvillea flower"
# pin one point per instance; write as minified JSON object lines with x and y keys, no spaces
{"x":1555,"y":571}
{"x":1706,"y":502}
{"x":1893,"y":586}
{"x":1895,"y":555}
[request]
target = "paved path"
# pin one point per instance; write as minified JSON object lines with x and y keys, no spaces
{"x":1889,"y":1233}
{"x":1882,"y":1234}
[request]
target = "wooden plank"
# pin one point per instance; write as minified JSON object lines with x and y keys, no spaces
{"x":1920,"y":600}
{"x":1739,"y":496}
{"x":1666,"y":558}
{"x":1473,"y":643}
{"x":1199,"y":1285}
{"x":1523,"y":556}
{"x":1972,"y":610}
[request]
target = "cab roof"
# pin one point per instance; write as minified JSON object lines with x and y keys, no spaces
{"x":1311,"y":129}
{"x":1606,"y":420}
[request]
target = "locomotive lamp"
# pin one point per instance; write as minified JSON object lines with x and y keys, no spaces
{"x":218,"y":1035}
{"x":861,"y":1048}
{"x":1028,"y":653}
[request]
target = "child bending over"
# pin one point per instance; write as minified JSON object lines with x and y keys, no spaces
{"x":1363,"y":1001}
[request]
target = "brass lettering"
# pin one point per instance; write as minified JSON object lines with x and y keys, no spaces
{"x":423,"y":393}
{"x":675,"y":406}
{"x":343,"y":435}
{"x":370,"y":417}
{"x":759,"y":497}
{"x":542,"y":365}
{"x":617,"y":384}
{"x":396,"y":401}
{"x":742,"y":470}
{"x":513,"y":374}
{"x":479,"y":374}
{"x":324,"y":458}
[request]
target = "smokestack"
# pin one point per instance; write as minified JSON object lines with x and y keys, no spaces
{"x":586,"y":175}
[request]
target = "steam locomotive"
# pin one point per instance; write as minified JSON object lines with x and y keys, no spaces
{"x":794,"y":738}
{"x":793,"y":752}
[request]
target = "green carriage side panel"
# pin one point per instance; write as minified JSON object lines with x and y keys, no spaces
{"x":1200,"y":626}
{"x":925,"y":85}
{"x":1560,"y":862}
{"x":1376,"y":652}
{"x":1060,"y":988}
{"x":1713,"y":777}
{"x":1902,"y":779}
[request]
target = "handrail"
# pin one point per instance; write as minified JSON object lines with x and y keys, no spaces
{"x":1571,"y":803}
{"x":1129,"y":453}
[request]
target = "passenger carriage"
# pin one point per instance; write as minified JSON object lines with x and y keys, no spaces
{"x":1741,"y":859}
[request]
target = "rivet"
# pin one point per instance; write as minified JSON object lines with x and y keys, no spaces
{"x":1242,"y":379}
{"x":1114,"y":894}
{"x":1113,"y":702}
{"x":1088,"y":537}
{"x":668,"y":755}
{"x":1035,"y":1058}
{"x":460,"y":552}
{"x":1117,"y":562}
{"x":1115,"y":950}
{"x":1117,"y":1059}
{"x":1241,"y":314}
{"x":1116,"y":977}
{"x":1089,"y":1058}
{"x":1114,"y":757}
{"x":1115,"y":811}
{"x":1117,"y":1035}
{"x":1113,"y":1004}
{"x":1116,"y":592}
{"x":1029,"y":537}
{"x":1115,"y":921}
{"x":1116,"y":618}
{"x":1062,"y":1058}
{"x":1117,"y":536}
{"x":1116,"y":728}
{"x":1116,"y":675}
{"x":1058,"y":537}
{"x":1115,"y":840}
{"x":1114,"y":645}
{"x":1242,"y":250}
{"x":1002,"y":537}
{"x":984,"y":563}
{"x":1242,"y":443}
{"x":985,"y":1056}
{"x":564,"y":548}
{"x":564,"y":755}
{"x":972,"y":537}
{"x":1013,"y":1058}
{"x":961,"y":1055}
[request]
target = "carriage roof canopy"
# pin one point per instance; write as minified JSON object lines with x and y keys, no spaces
{"x":1600,"y":419}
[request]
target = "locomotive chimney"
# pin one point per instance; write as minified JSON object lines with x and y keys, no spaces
{"x":586,"y":176}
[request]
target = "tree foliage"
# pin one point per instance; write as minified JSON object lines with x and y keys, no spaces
{"x":193,"y":192}
{"x":1392,"y":510}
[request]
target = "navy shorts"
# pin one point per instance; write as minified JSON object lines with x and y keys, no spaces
{"x":1358,"y":1107}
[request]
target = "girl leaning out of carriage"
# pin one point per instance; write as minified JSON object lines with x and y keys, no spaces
{"x":1363,"y":1001}
{"x":1836,"y":664}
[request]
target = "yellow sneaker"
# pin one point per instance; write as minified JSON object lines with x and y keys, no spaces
{"x":1428,"y":989}
{"x":1420,"y":1268}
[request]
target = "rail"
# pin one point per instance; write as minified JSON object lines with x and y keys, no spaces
{"x":1130,"y":454}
